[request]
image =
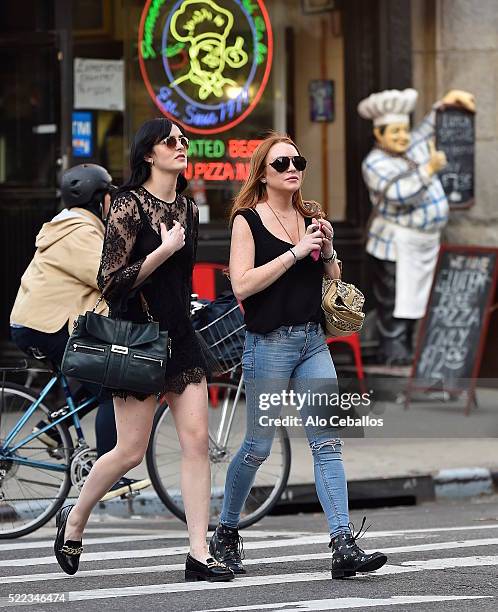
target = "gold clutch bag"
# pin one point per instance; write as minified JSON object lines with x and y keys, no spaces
{"x":342,"y":304}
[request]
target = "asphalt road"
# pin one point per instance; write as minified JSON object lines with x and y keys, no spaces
{"x":441,"y":556}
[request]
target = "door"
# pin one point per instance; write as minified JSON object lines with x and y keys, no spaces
{"x":29,"y":153}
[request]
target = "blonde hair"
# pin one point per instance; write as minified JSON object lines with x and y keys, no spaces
{"x":253,"y":190}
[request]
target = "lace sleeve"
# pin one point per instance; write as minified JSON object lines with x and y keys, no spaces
{"x":116,"y":274}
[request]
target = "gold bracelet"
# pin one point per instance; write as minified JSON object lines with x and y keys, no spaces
{"x":330,"y":259}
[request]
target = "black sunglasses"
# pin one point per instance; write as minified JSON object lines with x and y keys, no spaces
{"x":171,"y":141}
{"x":282,"y":163}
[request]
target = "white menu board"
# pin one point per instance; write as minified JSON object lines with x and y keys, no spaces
{"x":98,"y":84}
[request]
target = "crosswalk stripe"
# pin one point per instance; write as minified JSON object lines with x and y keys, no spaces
{"x":437,"y":564}
{"x":252,"y":581}
{"x":344,"y":603}
{"x":247,"y":534}
{"x":443,"y":563}
{"x":101,"y":556}
{"x":260,"y":561}
{"x":180,"y":535}
{"x":182,"y":550}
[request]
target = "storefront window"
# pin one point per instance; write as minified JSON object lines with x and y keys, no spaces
{"x":228,"y":71}
{"x":29,"y":114}
{"x":231,"y":70}
{"x":99,"y":86}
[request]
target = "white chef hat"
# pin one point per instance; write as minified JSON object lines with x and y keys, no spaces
{"x":389,"y":106}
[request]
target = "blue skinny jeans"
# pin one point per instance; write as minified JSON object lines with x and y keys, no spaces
{"x":296,"y":352}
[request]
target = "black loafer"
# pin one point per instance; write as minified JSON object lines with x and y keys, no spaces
{"x":67,"y":552}
{"x":212,"y":571}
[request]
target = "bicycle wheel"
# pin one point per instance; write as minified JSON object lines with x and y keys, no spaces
{"x":164,"y":458}
{"x":34,"y":478}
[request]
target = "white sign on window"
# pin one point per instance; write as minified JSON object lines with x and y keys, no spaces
{"x":98,"y":84}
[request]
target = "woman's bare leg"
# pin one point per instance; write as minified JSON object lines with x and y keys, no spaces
{"x":190,"y":411}
{"x":133,"y":425}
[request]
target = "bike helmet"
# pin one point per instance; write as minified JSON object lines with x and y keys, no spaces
{"x":85,"y":185}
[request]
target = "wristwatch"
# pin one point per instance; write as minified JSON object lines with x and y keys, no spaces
{"x":330,"y":259}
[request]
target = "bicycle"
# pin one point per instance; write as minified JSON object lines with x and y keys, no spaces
{"x":32,"y":489}
{"x":28,"y":500}
{"x":223,"y":337}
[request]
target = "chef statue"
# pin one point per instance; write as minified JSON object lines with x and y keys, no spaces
{"x":409,"y":211}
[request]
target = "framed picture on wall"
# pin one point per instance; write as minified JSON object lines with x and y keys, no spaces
{"x":321,"y":94}
{"x":311,"y":7}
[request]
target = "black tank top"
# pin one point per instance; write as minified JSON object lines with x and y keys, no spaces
{"x":295,"y":297}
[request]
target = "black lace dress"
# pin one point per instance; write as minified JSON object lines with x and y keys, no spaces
{"x":132,"y":233}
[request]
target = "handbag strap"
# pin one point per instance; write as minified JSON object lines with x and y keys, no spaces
{"x":101,"y":297}
{"x":190,"y":213}
{"x":143,"y":302}
{"x":145,"y":307}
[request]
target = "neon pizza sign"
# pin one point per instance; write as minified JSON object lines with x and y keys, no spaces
{"x":205,"y":63}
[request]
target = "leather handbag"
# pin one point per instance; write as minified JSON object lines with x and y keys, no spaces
{"x":117,"y":354}
{"x":342,"y":304}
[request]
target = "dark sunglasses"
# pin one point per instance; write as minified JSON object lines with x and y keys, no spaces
{"x":282,"y":163}
{"x":171,"y":141}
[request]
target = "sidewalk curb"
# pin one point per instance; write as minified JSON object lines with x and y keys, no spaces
{"x":465,"y":482}
{"x":401,"y":490}
{"x":145,"y":504}
{"x":408,"y":490}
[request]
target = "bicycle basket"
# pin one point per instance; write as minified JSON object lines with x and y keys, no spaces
{"x":224,"y":336}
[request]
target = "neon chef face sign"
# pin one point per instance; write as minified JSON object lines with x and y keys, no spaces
{"x":205,"y":63}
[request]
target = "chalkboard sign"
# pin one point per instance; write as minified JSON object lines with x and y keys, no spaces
{"x":451,"y":340}
{"x":455,"y":135}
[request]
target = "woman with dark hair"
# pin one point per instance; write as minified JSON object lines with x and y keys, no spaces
{"x":149,"y":249}
{"x":273,"y":271}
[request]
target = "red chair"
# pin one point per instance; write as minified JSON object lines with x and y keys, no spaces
{"x":204,"y":279}
{"x":353,"y":341}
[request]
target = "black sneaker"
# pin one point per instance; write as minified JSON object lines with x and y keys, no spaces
{"x":126,"y":487}
{"x":348,"y":558}
{"x":227,"y":547}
